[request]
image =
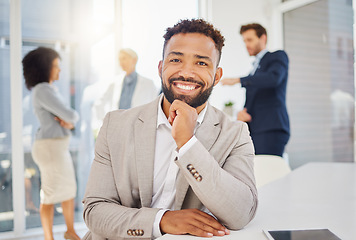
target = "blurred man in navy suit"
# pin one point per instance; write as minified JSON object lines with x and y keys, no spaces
{"x":265,"y":108}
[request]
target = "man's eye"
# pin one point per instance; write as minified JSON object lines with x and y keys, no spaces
{"x":174,"y":60}
{"x":202,"y":63}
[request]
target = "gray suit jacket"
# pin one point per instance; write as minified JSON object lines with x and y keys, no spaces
{"x":119,"y":190}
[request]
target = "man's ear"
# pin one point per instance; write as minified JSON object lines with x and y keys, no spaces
{"x":160,"y":68}
{"x":264,"y":38}
{"x":218,"y":75}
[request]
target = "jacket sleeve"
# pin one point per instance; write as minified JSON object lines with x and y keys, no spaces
{"x":270,"y":77}
{"x":226,"y":186}
{"x":50,"y":101}
{"x":103,"y":213}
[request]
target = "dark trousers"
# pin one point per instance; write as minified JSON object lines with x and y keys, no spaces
{"x":270,"y":143}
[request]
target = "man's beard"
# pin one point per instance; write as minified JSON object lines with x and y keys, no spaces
{"x":194,"y":102}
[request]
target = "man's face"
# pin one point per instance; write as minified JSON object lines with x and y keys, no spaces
{"x":189,"y":68}
{"x":254,"y":44}
{"x":127,"y":63}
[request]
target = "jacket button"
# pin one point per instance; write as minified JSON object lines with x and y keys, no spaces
{"x":195,"y":175}
{"x":141,"y":232}
{"x":129,"y":232}
{"x":193,"y":171}
{"x":199,"y":178}
{"x":190,"y":167}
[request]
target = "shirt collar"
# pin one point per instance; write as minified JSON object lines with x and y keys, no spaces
{"x":161,"y":118}
{"x":131,"y":77}
{"x":260,"y":55}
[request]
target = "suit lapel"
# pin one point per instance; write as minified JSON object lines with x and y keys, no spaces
{"x":261,"y":64}
{"x":209,"y":130}
{"x":145,"y":140}
{"x":211,"y":126}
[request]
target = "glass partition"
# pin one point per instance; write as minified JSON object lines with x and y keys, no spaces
{"x":6,"y":206}
{"x":87,"y":35}
{"x":319,"y":41}
{"x":143,"y":28}
{"x":51,"y":25}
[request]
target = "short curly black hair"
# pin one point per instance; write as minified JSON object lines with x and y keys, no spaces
{"x":195,"y":26}
{"x":37,"y":66}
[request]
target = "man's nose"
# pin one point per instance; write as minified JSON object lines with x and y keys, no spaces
{"x":187,"y":71}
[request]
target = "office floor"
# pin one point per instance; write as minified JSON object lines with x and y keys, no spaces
{"x":58,"y":232}
{"x":59,"y":235}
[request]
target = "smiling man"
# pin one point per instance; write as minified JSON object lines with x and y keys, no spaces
{"x":176,"y":165}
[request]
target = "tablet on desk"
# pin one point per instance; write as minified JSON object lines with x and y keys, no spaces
{"x":310,"y":234}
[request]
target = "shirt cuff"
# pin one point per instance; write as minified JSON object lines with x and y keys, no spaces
{"x":156,"y":231}
{"x":186,"y":146}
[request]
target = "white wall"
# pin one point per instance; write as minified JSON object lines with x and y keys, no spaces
{"x":228,"y":16}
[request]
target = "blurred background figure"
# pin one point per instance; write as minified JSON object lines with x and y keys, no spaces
{"x":50,"y":150}
{"x":129,"y":89}
{"x":265,"y":108}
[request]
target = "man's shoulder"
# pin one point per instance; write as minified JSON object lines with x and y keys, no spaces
{"x":270,"y":57}
{"x":143,"y":78}
{"x":277,"y":54}
{"x":116,"y":79}
{"x":113,"y":82}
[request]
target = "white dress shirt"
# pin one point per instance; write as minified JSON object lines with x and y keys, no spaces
{"x":256,"y":62}
{"x":165,"y":169}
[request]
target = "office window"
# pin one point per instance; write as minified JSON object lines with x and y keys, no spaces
{"x":54,"y":24}
{"x":144,"y":24}
{"x":319,"y":41}
{"x":6,"y":207}
{"x":87,"y":35}
{"x":49,"y":26}
{"x":82,"y":33}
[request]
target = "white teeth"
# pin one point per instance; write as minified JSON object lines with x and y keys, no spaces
{"x":185,"y":87}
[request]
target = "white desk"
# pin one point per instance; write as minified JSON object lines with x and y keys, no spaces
{"x":316,"y":195}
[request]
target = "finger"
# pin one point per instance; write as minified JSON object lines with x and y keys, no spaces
{"x":193,"y":230}
{"x":191,"y":221}
{"x":172,"y":116}
{"x":205,"y":226}
{"x":200,"y":226}
{"x":173,"y":110}
{"x":209,"y":221}
{"x":206,"y":223}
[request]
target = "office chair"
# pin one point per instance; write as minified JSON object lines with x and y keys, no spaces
{"x":269,"y":168}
